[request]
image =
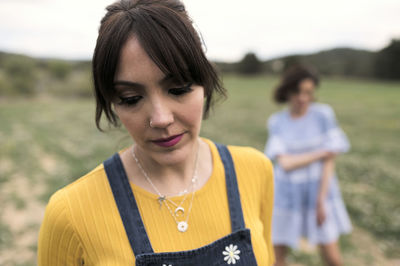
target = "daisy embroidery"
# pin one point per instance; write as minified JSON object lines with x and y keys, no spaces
{"x":231,"y":254}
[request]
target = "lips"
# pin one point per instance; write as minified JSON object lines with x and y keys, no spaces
{"x":168,"y":142}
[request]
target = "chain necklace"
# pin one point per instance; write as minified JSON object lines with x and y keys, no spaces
{"x":179,"y":210}
{"x":161,"y":197}
{"x":181,"y":225}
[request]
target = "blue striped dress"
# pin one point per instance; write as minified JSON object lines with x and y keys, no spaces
{"x":296,"y":191}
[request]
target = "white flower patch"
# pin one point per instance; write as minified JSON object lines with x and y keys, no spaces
{"x":231,"y":254}
{"x":166,"y":264}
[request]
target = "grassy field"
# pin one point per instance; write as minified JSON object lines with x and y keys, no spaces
{"x":46,"y":143}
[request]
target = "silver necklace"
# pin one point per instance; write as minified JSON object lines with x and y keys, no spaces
{"x":161,"y":197}
{"x":179,"y":210}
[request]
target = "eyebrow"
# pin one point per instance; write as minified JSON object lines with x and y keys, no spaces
{"x":133,"y":84}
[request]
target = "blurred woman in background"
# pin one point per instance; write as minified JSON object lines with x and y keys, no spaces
{"x":172,"y":198}
{"x":303,"y":142}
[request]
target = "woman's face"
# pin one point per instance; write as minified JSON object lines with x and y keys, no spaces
{"x":162,"y":116}
{"x":300,"y":101}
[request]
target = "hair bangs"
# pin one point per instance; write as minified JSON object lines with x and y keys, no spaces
{"x":164,"y":39}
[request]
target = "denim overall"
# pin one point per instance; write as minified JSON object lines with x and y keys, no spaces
{"x":216,"y":253}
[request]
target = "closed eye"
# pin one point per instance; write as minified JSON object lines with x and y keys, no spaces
{"x":181,"y":90}
{"x":129,"y":101}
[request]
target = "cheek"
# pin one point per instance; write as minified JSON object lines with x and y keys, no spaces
{"x":293,"y":99}
{"x":193,"y":112}
{"x":131,"y":121}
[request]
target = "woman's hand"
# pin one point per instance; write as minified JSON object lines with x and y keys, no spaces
{"x":327,"y":173}
{"x":321,"y":214}
{"x":328,"y":155}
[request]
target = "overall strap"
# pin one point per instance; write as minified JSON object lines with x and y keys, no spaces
{"x":235,"y":207}
{"x":127,"y":206}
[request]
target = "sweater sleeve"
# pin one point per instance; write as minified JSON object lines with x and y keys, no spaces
{"x":267,"y":207}
{"x":58,"y":242}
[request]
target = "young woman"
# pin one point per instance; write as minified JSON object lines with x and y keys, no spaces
{"x":303,"y":142}
{"x":172,"y":198}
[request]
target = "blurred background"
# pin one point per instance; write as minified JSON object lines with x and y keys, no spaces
{"x":48,"y":136}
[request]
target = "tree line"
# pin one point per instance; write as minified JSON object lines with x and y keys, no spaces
{"x":383,"y":64}
{"x":23,"y":75}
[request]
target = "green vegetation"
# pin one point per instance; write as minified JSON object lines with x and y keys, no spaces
{"x":387,"y":61}
{"x":342,"y":62}
{"x":51,"y":141}
{"x":249,"y":65}
{"x":26,"y":76}
{"x":6,"y":239}
{"x":334,"y":62}
{"x":23,"y":75}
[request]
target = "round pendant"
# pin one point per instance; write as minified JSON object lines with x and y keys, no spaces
{"x":182,"y":226}
{"x":179,"y":211}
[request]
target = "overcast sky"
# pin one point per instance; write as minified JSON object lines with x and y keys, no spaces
{"x":230,"y":28}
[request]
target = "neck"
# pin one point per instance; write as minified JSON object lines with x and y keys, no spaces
{"x":170,"y":179}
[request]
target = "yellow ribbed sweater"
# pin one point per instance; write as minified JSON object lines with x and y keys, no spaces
{"x":82,"y":222}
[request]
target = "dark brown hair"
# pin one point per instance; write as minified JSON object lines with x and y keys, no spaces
{"x":291,"y":79}
{"x":166,"y":33}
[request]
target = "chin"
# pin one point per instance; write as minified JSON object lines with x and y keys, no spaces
{"x":171,"y":157}
{"x":302,"y":107}
{"x":175,"y":155}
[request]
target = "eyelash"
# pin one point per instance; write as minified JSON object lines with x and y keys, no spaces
{"x":129,"y":100}
{"x":133,"y":100}
{"x":181,"y":90}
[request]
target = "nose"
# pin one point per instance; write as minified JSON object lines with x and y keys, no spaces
{"x":161,"y":115}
